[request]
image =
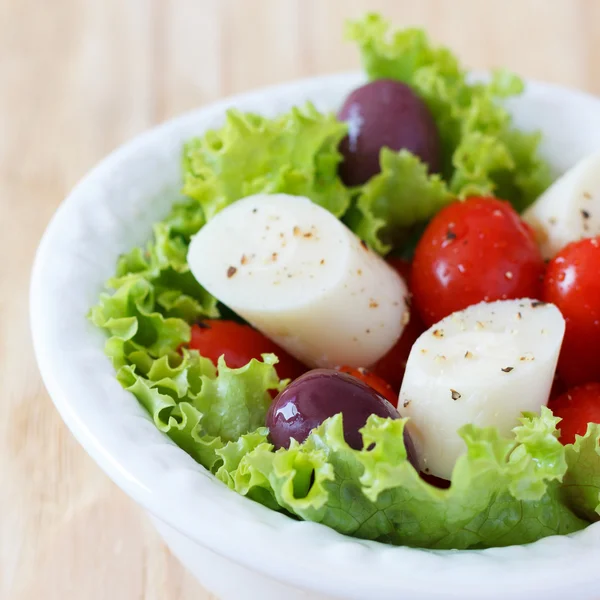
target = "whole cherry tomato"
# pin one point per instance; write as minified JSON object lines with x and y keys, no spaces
{"x":382,"y":387}
{"x":240,"y":344}
{"x":474,"y":251}
{"x":572,"y":282}
{"x":577,"y":407}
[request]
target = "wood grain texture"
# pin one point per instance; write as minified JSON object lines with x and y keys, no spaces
{"x":78,"y":78}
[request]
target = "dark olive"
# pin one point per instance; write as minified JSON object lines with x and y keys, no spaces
{"x":320,"y":394}
{"x":385,"y":113}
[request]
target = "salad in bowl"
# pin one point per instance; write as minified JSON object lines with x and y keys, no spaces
{"x":356,"y":319}
{"x":382,"y":319}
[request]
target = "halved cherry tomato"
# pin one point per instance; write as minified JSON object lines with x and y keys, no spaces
{"x":381,"y":386}
{"x":572,"y":282}
{"x":578,"y":407}
{"x":240,"y":343}
{"x":473,"y":251}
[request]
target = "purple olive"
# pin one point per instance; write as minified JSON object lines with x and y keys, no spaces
{"x":385,"y":113}
{"x":320,"y":394}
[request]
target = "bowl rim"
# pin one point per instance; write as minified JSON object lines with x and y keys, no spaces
{"x":195,"y":504}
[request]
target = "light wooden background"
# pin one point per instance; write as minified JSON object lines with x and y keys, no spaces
{"x":78,"y":78}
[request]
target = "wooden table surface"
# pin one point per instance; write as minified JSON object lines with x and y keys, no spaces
{"x":77,"y":79}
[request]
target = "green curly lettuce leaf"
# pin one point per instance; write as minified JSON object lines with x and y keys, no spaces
{"x":164,"y":264}
{"x":153,"y":296}
{"x":131,"y":317}
{"x":236,"y":401}
{"x":294,"y":153}
{"x":504,"y":490}
{"x":209,"y":411}
{"x":391,"y":202}
{"x":482,"y":153}
{"x":233,"y":473}
{"x":581,"y":486}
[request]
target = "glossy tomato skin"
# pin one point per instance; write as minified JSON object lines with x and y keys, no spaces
{"x":474,"y":251}
{"x":240,"y":344}
{"x":577,"y":407}
{"x":381,"y":386}
{"x":572,"y":282}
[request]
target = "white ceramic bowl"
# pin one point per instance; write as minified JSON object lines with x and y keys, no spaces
{"x":237,"y":548}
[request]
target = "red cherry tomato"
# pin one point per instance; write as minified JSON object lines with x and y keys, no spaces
{"x":240,"y":344}
{"x":401,"y":266}
{"x":558,"y":387}
{"x":578,"y":407}
{"x":382,"y":387}
{"x":473,"y":251}
{"x":572,"y":282}
{"x":391,"y":366}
